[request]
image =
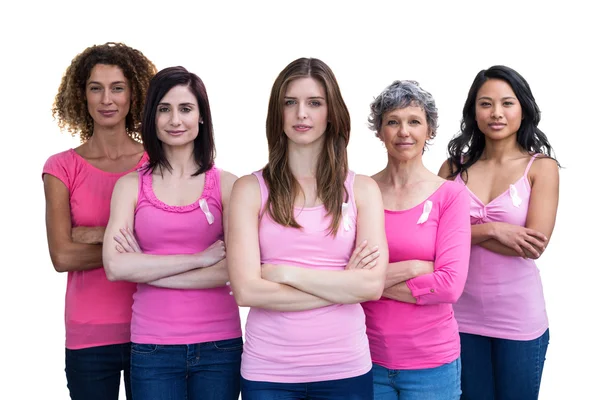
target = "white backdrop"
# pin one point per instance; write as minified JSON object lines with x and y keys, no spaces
{"x":238,"y":48}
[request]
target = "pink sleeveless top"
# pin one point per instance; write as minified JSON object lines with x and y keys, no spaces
{"x":503,"y":296}
{"x":323,"y":344}
{"x":181,"y":316}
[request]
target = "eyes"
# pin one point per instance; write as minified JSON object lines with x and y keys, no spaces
{"x":311,"y":103}
{"x":114,"y":89}
{"x":487,"y":104}
{"x":413,"y":122}
{"x":165,"y":109}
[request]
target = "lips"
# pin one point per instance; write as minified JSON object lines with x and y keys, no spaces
{"x":302,"y":127}
{"x":175,"y":133}
{"x":497,"y":126}
{"x":108,"y":113}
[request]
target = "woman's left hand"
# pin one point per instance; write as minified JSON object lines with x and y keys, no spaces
{"x":126,"y":242}
{"x":273,"y":273}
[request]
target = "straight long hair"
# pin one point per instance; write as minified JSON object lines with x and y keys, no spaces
{"x":332,"y":164}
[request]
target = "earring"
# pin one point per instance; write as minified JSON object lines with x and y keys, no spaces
{"x":201,"y":122}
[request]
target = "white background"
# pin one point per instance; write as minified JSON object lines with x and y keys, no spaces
{"x":238,"y":49}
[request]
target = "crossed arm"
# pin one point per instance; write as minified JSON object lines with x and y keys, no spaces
{"x":289,"y":288}
{"x":124,"y":260}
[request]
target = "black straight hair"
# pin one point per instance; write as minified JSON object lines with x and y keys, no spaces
{"x":204,"y":144}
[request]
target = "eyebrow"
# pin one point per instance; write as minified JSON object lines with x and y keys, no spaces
{"x":503,"y":98}
{"x":311,"y":97}
{"x":112,"y":83}
{"x":181,"y":104}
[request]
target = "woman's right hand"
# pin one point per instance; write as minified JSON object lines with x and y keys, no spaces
{"x":363,"y":257}
{"x":422,"y":267}
{"x":212,"y":254}
{"x":528,"y":243}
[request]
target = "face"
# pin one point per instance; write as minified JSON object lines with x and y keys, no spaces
{"x":305,"y":111}
{"x":178,"y":117}
{"x":108,"y":95}
{"x":497,"y":111}
{"x":404,"y":132}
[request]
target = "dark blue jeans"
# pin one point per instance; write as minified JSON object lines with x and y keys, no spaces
{"x":202,"y":371}
{"x":502,"y":369}
{"x":357,"y":388}
{"x":95,"y":373}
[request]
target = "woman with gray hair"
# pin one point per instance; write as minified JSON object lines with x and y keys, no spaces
{"x":414,"y":341}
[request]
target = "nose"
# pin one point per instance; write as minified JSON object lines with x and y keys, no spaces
{"x":175,"y":119}
{"x":302,"y":111}
{"x":497,"y":111}
{"x":106,"y":99}
{"x":403,"y":130}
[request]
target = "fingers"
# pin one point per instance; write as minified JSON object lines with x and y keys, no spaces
{"x":128,"y":235}
{"x":538,"y":235}
{"x":531,"y":249}
{"x":354,"y":258}
{"x":363,"y":257}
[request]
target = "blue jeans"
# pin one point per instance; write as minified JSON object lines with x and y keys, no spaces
{"x":95,"y":373}
{"x":357,"y":388}
{"x":439,"y":383}
{"x":502,"y":369}
{"x":202,"y":371}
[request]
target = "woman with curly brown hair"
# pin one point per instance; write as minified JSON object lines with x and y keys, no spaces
{"x":100,"y":98}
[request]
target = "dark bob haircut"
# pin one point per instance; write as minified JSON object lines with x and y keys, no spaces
{"x":204,"y":144}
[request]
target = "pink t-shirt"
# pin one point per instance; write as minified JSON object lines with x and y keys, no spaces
{"x":503,"y":296}
{"x":323,"y":344}
{"x":424,"y":335}
{"x":97,"y":311}
{"x":181,"y":316}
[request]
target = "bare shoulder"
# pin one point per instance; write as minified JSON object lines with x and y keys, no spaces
{"x":366,"y":190}
{"x":127,"y":183}
{"x":445,"y":169}
{"x":246,"y":189}
{"x":544,"y":167}
{"x":227,"y":179}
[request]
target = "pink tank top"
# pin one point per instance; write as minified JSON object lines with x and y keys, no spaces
{"x":503,"y":296}
{"x":323,"y":344}
{"x":181,"y":316}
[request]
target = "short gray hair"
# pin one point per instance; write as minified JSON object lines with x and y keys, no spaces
{"x":401,"y":94}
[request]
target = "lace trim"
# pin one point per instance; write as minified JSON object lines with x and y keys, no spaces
{"x":209,"y":185}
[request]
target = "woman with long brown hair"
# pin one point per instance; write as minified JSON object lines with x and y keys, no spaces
{"x":306,"y":245}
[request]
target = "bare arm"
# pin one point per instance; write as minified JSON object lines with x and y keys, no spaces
{"x":352,"y":285}
{"x":400,"y":292}
{"x":541,"y":216}
{"x":136,"y":266}
{"x":210,"y":277}
{"x":402,"y":271}
{"x":243,"y":257}
{"x":65,"y":253}
{"x":88,"y":234}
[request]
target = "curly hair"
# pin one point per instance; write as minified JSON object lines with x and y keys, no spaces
{"x":70,"y":104}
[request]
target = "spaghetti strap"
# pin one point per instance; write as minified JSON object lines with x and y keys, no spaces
{"x":530,"y":162}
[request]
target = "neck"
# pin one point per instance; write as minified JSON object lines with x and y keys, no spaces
{"x":111,"y":142}
{"x":400,"y":173}
{"x":303,"y":160}
{"x":500,"y":150}
{"x":181,"y":159}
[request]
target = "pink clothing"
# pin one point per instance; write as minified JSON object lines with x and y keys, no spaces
{"x":323,"y":344}
{"x":97,"y":311}
{"x":424,"y":335}
{"x":181,"y":316}
{"x":503,"y":296}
